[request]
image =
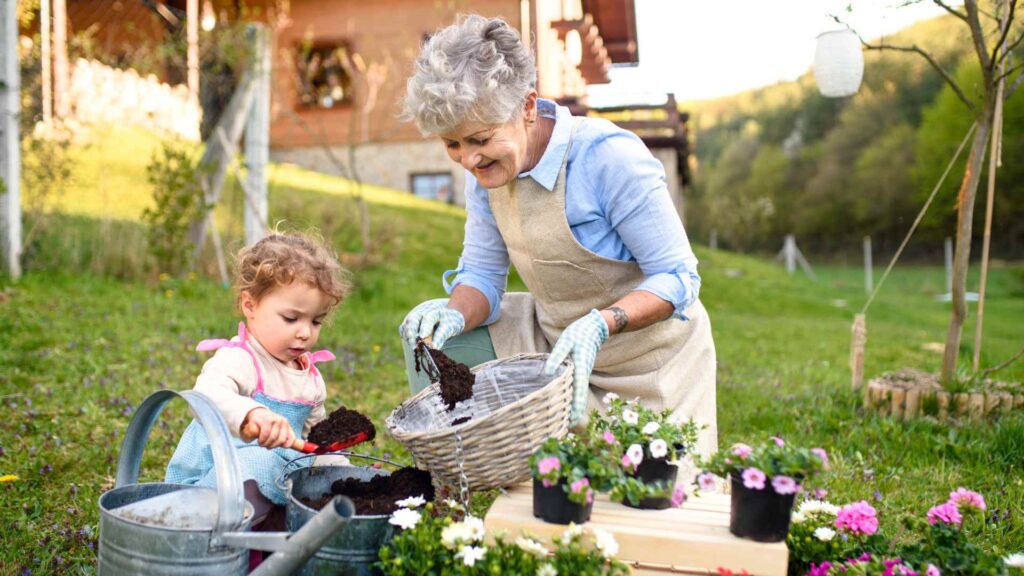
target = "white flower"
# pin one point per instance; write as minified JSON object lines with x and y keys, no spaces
{"x":1015,"y":560}
{"x":658,"y":448}
{"x":547,"y":570}
{"x":412,"y":502}
{"x":532,"y":546}
{"x":470,"y":554}
{"x":404,"y":518}
{"x":451,"y":503}
{"x":630,"y":417}
{"x":609,"y":397}
{"x":606,"y":543}
{"x":797,"y":517}
{"x":573,"y":530}
{"x":635,"y":454}
{"x":824,"y":533}
{"x":476,"y":527}
{"x":452,"y":534}
{"x":650,"y":428}
{"x":812,"y":507}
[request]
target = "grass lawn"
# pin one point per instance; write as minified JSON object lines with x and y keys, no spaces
{"x":79,"y":351}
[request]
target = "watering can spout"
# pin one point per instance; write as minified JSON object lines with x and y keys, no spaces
{"x":304,"y":543}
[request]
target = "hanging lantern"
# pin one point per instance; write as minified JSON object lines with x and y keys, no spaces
{"x":838,"y":63}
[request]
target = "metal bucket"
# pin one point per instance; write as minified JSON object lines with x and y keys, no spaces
{"x":133,"y":546}
{"x":353,"y":550}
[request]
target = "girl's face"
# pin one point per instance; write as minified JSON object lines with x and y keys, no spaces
{"x":286,"y":320}
{"x":494,"y":153}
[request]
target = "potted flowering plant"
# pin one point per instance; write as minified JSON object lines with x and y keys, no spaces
{"x":431,"y":543}
{"x":566,"y":472}
{"x":647,"y":443}
{"x":765,"y":481}
{"x":820,"y":530}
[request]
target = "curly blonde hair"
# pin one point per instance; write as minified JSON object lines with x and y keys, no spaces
{"x":280,"y":259}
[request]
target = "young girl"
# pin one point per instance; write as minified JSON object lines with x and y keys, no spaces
{"x":264,"y":380}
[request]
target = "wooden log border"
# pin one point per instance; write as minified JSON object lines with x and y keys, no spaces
{"x":909,"y":403}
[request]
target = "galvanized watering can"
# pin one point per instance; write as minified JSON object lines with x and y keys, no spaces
{"x":204,"y":531}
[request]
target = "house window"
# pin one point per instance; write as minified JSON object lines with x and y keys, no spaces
{"x":325,"y":73}
{"x":433,"y":186}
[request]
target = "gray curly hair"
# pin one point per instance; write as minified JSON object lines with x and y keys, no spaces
{"x":476,"y":69}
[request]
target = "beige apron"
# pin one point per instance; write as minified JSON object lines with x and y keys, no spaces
{"x":669,"y":364}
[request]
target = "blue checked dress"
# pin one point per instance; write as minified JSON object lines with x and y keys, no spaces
{"x":192,"y":462}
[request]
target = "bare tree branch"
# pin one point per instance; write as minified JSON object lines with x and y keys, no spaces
{"x":1012,"y":45}
{"x":978,"y":36}
{"x":1010,"y":72}
{"x":1009,"y":90}
{"x":947,"y":8}
{"x":1005,"y":25}
{"x":1002,"y":365}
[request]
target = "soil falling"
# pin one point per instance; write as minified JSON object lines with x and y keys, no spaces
{"x":378,"y":495}
{"x":341,"y":425}
{"x":456,"y":381}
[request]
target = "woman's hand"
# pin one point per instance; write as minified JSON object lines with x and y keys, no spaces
{"x":581,"y":340}
{"x":432,"y":319}
{"x":272,"y":430}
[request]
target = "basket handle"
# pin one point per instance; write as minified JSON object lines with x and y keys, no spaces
{"x":230,"y":494}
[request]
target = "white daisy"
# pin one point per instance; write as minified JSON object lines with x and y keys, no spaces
{"x":404,"y":518}
{"x":811,"y":507}
{"x":650,"y":428}
{"x":547,"y":570}
{"x":476,"y":527}
{"x":630,"y":417}
{"x":824,"y":533}
{"x":1015,"y":560}
{"x":797,"y":517}
{"x":606,"y":543}
{"x":573,"y":530}
{"x":470,"y":554}
{"x":532,"y":546}
{"x":452,"y":534}
{"x":412,"y":502}
{"x":658,"y":448}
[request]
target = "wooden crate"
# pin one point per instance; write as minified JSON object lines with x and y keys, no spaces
{"x":693,"y":539}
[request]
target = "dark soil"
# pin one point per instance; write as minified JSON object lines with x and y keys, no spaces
{"x":378,"y":496}
{"x":456,"y":381}
{"x":341,"y":425}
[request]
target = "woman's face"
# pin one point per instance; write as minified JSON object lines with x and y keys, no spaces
{"x":494,"y":153}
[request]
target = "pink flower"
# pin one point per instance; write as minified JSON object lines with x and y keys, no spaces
{"x":547,"y":483}
{"x":967,"y":498}
{"x":741,"y":450}
{"x":819,"y":569}
{"x":609,"y":437}
{"x":858,"y":519}
{"x":947,"y":513}
{"x":754,"y":479}
{"x":820,"y":493}
{"x":678,"y":496}
{"x":548,"y":465}
{"x":590,"y":496}
{"x":932,"y":570}
{"x":706,"y":481}
{"x":579,"y":485}
{"x":784,"y":485}
{"x":626,"y":462}
{"x":778,"y":441}
{"x":820,"y":453}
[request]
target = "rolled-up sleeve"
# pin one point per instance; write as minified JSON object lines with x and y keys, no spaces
{"x":631,"y":190}
{"x":484,"y":262}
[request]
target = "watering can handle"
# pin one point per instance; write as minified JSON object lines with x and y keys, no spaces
{"x":283,"y":486}
{"x":230,"y":494}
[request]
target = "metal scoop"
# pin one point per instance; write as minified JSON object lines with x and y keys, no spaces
{"x":250,"y":432}
{"x":428,"y":366}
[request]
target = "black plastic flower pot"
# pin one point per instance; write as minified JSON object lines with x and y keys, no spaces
{"x":655,"y":472}
{"x":760,"y":515}
{"x":551,"y":504}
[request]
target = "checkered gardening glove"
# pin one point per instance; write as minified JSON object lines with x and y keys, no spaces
{"x":581,"y":340}
{"x":432,"y":319}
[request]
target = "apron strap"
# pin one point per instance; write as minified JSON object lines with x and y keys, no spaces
{"x":319,"y":356}
{"x":243,"y":336}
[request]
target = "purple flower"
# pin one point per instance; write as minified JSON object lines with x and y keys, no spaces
{"x":548,"y":465}
{"x":963,"y":497}
{"x":819,"y":569}
{"x":778,"y":441}
{"x":706,"y":481}
{"x":46,"y":469}
{"x":784,"y":485}
{"x":820,"y":453}
{"x":741,"y":450}
{"x":858,"y":519}
{"x":609,"y":437}
{"x":678,"y":496}
{"x":754,"y":479}
{"x":946,"y":513}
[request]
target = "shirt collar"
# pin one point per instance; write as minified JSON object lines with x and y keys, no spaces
{"x":550,"y":164}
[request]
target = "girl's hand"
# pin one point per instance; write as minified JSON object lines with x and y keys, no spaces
{"x":272,"y":430}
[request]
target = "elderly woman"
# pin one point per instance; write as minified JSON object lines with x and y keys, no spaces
{"x":580,"y":208}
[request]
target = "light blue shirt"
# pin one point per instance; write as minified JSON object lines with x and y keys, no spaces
{"x":616,"y":203}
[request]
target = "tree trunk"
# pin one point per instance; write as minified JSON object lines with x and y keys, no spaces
{"x":962,"y":256}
